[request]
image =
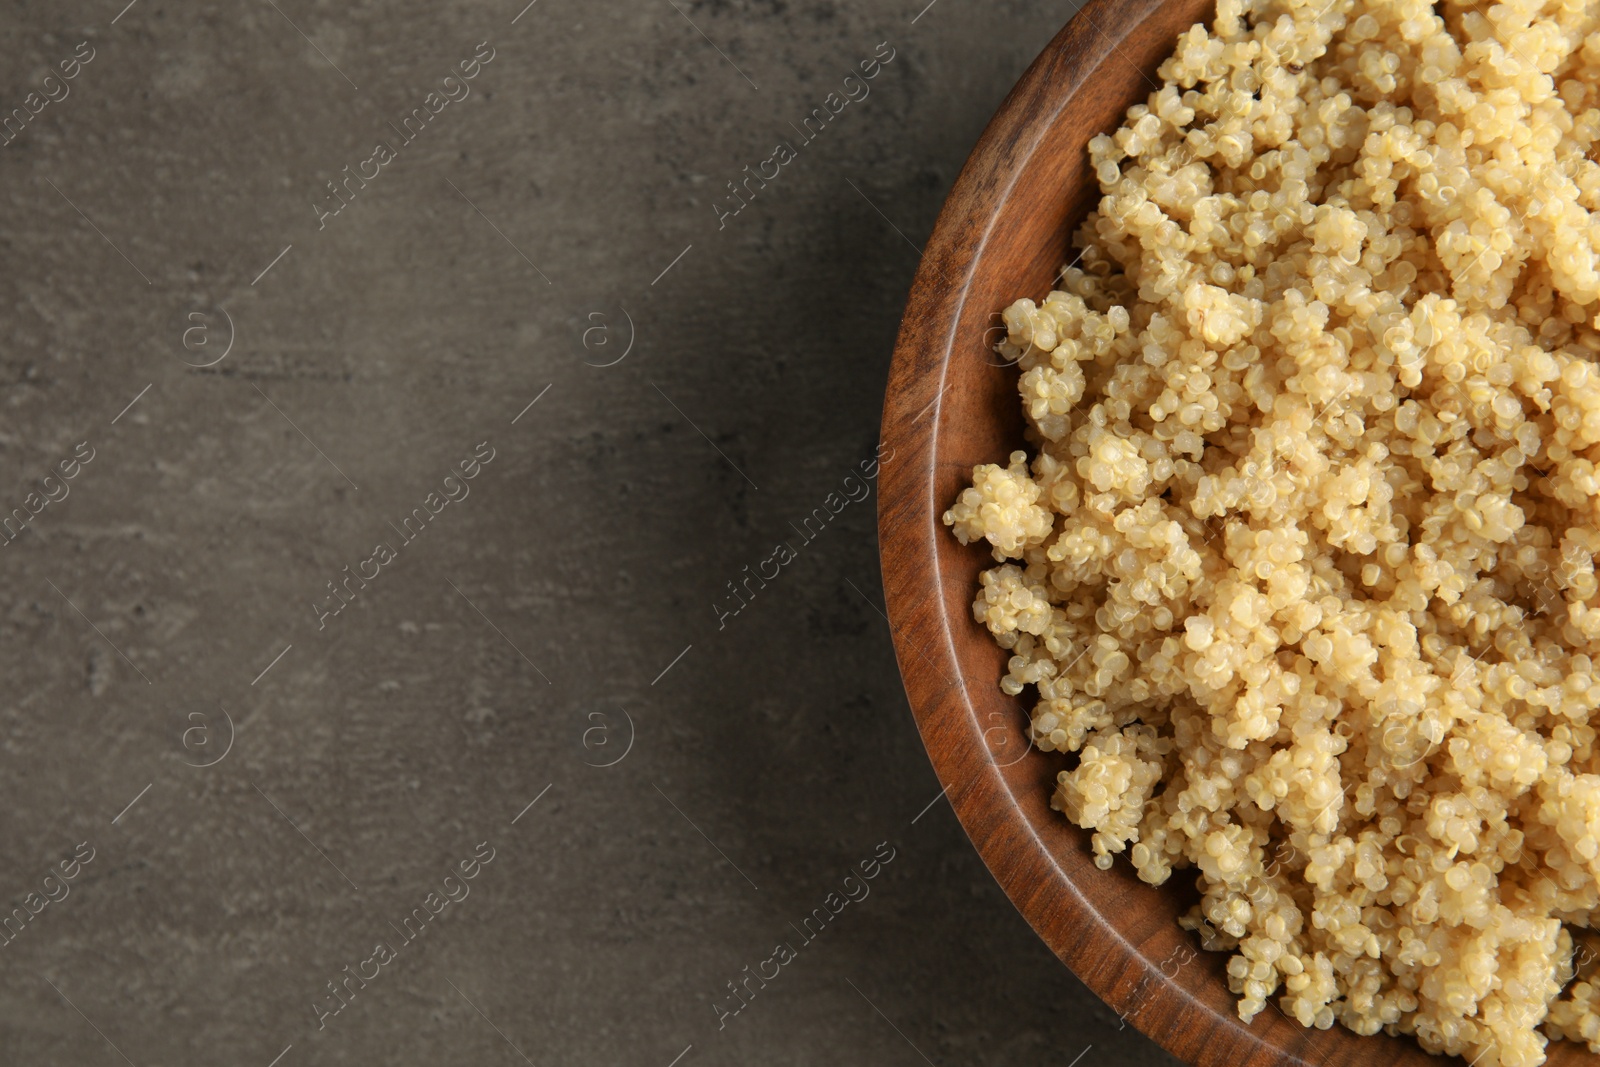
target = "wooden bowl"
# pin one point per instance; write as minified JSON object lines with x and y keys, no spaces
{"x":1004,"y":232}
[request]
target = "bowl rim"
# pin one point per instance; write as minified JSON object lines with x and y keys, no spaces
{"x":909,"y":527}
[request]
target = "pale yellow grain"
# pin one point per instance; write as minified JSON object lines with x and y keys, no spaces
{"x":1301,"y":566}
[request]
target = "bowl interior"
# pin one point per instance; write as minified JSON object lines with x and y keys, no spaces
{"x":1005,"y":232}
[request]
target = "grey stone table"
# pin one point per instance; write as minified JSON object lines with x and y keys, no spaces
{"x":398,"y":399}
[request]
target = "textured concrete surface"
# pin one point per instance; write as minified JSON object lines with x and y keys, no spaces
{"x":265,"y":788}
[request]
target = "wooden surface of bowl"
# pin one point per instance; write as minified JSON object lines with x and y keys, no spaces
{"x":1005,"y":232}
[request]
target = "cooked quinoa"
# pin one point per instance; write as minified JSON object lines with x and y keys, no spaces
{"x":1300,"y":561}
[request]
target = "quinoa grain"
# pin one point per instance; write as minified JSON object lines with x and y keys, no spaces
{"x":1302,"y":568}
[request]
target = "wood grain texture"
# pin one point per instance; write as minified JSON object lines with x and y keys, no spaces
{"x":1004,"y":232}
